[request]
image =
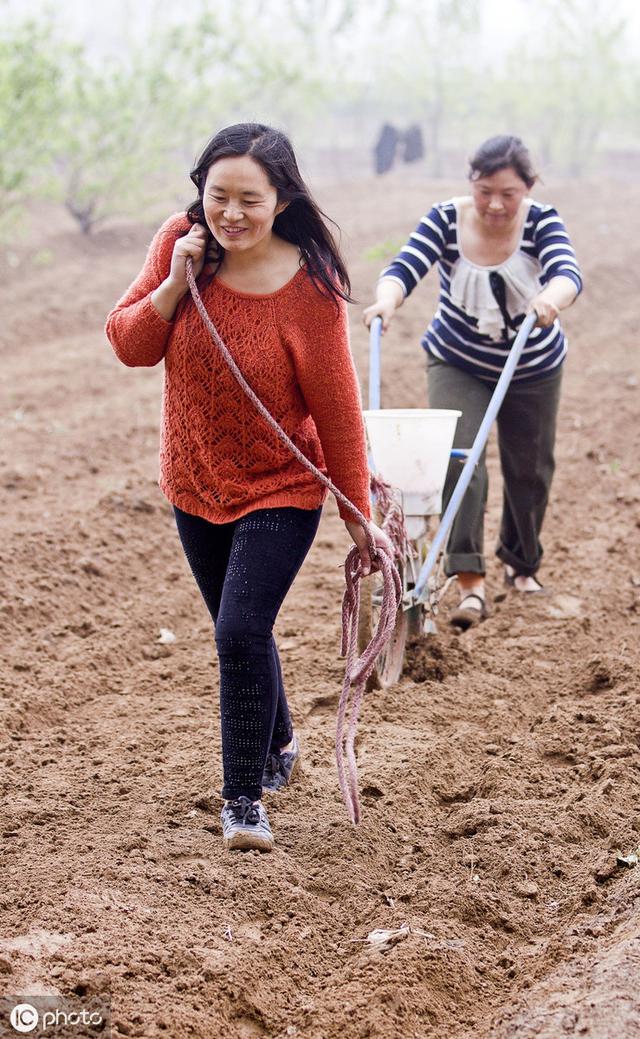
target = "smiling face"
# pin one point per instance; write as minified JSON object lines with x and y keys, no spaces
{"x":240,"y":204}
{"x":497,"y":198}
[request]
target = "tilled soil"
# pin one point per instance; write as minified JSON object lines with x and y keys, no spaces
{"x":499,"y":777}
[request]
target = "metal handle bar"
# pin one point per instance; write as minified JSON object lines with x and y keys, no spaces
{"x":374,"y":363}
{"x":420,"y":592}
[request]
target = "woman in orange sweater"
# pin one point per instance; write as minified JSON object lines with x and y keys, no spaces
{"x":274,"y":284}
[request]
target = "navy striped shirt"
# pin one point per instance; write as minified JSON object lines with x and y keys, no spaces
{"x":453,"y":335}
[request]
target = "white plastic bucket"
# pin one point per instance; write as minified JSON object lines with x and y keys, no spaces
{"x":410,"y":450}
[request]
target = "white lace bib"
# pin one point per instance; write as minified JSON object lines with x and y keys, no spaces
{"x":471,"y":291}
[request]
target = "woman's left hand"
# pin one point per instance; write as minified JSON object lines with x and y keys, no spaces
{"x":381,"y":539}
{"x":546,"y":310}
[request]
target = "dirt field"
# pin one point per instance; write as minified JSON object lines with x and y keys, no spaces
{"x":499,"y":777}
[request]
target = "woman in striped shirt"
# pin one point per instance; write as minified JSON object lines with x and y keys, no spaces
{"x":500,"y":255}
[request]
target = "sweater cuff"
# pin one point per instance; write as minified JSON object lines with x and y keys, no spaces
{"x":139,"y":334}
{"x":347,"y":515}
{"x":153,"y":315}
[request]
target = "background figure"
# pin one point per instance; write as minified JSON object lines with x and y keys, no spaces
{"x":413,"y":144}
{"x":384,"y":152}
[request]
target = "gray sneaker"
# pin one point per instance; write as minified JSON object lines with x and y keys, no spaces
{"x":279,"y":768}
{"x":245,"y":825}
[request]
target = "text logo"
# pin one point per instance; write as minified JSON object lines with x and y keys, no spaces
{"x":24,"y":1017}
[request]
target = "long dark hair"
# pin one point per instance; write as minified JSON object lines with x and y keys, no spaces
{"x":501,"y":153}
{"x":302,"y":222}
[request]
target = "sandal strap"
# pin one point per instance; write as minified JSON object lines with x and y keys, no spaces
{"x":511,"y":578}
{"x":471,"y":595}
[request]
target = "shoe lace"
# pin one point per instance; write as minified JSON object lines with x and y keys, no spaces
{"x":245,"y":811}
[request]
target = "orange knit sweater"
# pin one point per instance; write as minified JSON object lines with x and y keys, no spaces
{"x":218,"y":457}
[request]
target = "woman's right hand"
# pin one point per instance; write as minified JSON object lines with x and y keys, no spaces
{"x":359,"y":537}
{"x":384,"y":309}
{"x":170,"y":292}
{"x":193,"y":244}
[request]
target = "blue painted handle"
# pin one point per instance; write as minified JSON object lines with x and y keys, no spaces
{"x":420,"y":592}
{"x":375,"y":333}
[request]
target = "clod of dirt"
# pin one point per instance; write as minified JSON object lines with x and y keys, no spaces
{"x":606,"y":867}
{"x":83,"y":630}
{"x":93,"y":567}
{"x":565,"y":606}
{"x":471,"y":819}
{"x":156,"y":652}
{"x":205,"y":804}
{"x":604,"y":672}
{"x":448,"y":791}
{"x":372,"y":792}
{"x":527,"y":889}
{"x":433,"y":658}
{"x":600,"y":674}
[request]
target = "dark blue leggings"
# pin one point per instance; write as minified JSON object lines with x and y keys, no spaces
{"x":244,"y":570}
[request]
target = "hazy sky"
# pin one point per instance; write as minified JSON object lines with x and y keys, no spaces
{"x":108,"y":27}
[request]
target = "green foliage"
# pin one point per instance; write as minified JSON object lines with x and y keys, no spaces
{"x":570,"y":91}
{"x":105,"y":138}
{"x":29,"y":77}
{"x":194,"y":64}
{"x":382,"y":251}
{"x":109,"y":143}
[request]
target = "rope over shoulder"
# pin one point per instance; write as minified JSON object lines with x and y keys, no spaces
{"x":357,"y":669}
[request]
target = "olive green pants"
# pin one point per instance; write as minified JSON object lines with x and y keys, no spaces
{"x":526,"y":438}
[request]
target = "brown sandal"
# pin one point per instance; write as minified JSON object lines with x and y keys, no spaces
{"x":465,"y":617}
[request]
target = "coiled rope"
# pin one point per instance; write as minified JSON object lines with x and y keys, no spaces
{"x":357,"y":668}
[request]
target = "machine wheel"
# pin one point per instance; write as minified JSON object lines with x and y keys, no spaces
{"x":389,"y":664}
